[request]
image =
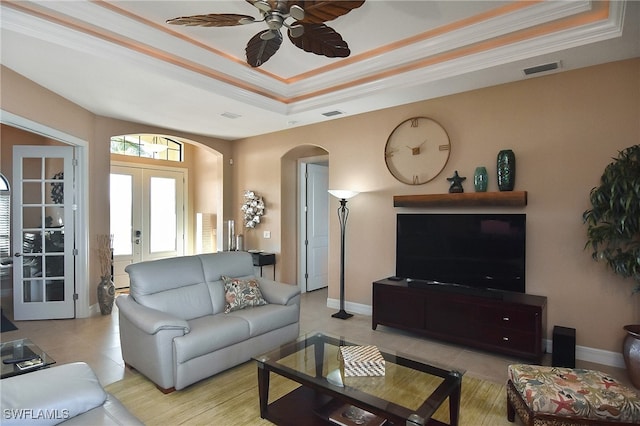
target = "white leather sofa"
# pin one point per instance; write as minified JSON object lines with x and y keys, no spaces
{"x":68,"y":394}
{"x":173,"y":328}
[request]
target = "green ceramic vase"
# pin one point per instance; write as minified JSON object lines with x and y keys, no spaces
{"x":480,"y":179}
{"x":506,"y":170}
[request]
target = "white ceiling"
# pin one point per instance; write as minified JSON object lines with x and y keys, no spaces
{"x":120,"y":59}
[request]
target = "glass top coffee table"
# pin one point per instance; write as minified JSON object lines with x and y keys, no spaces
{"x":22,"y":356}
{"x":409,"y":393}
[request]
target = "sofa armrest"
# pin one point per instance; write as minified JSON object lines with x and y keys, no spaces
{"x":51,"y":395}
{"x":278,"y":293}
{"x":149,"y":320}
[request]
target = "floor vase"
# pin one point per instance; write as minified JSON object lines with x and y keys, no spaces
{"x":631,"y":353}
{"x":106,"y":295}
{"x":506,"y":170}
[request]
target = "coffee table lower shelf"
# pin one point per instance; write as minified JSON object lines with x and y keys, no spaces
{"x":299,"y":406}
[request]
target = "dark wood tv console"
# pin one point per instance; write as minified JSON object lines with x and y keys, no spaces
{"x":505,"y":322}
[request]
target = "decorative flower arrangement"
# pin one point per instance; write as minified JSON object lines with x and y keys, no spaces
{"x":104,"y":255}
{"x":253,"y":209}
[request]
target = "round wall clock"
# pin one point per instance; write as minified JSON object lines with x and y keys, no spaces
{"x":417,"y":150}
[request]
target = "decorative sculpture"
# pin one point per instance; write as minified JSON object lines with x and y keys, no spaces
{"x":253,"y":209}
{"x":456,"y":183}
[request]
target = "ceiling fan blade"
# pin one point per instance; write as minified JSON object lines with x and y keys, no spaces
{"x":319,"y":11}
{"x":321,"y":40}
{"x":259,"y":50}
{"x":212,"y":20}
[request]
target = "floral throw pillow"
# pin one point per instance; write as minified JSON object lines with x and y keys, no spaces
{"x":240,"y":294}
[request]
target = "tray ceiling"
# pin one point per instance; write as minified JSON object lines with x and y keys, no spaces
{"x":120,"y":59}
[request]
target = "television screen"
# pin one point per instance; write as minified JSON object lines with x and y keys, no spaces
{"x":484,"y":251}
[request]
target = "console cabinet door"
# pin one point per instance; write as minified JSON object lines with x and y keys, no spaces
{"x":450,"y":317}
{"x":397,"y":308}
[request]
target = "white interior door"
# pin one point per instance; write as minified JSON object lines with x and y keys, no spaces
{"x":147,"y":216}
{"x":43,"y":230}
{"x":314,"y":220}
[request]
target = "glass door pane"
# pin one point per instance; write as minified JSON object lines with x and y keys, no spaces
{"x":162,"y":213}
{"x":121,"y":199}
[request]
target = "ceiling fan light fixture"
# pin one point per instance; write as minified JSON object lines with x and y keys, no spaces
{"x":296,"y":31}
{"x":262,"y":5}
{"x":296,"y":12}
{"x":268,"y":35}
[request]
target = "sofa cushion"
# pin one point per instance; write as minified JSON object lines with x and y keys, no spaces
{"x":242,"y":293}
{"x":263,"y":319}
{"x":175,"y":285}
{"x":229,"y":263}
{"x":208,"y":334}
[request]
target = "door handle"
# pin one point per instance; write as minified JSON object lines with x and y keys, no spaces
{"x":138,"y":234}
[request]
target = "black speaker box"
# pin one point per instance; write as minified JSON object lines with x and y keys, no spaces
{"x":564,"y":347}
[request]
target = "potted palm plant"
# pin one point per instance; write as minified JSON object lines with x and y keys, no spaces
{"x":613,"y":234}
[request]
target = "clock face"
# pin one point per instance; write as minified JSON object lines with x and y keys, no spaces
{"x":417,"y":150}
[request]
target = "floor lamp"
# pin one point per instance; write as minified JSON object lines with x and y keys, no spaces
{"x":343,"y":212}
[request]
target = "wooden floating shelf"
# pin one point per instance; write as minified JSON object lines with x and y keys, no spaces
{"x":465,"y":199}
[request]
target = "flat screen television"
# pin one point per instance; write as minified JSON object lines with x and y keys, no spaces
{"x":478,"y":251}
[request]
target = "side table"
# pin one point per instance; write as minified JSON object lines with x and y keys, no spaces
{"x":261,"y":259}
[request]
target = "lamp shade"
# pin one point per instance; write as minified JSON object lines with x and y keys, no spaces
{"x":343,"y":194}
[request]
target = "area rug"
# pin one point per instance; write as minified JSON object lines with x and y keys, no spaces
{"x":231,"y":398}
{"x":5,"y":324}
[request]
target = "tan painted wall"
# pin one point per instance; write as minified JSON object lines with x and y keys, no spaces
{"x":564,"y":129}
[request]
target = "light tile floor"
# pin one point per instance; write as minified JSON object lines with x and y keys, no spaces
{"x":96,"y":341}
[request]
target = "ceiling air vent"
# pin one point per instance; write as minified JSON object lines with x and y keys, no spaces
{"x":552,"y":66}
{"x":332,"y":113}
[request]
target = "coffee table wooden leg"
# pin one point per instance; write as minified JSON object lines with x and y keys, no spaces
{"x":263,"y":389}
{"x":454,"y":404}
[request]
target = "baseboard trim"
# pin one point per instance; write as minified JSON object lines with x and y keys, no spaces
{"x":599,"y":356}
{"x":583,"y":353}
{"x":355,"y":308}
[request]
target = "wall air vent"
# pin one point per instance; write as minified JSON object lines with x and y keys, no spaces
{"x":332,"y":113}
{"x":552,"y":66}
{"x":230,"y":115}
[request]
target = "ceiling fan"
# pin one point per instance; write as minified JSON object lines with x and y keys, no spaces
{"x":307,"y":31}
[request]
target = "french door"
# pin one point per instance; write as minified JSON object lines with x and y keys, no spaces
{"x":44,"y":232}
{"x":147,"y":216}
